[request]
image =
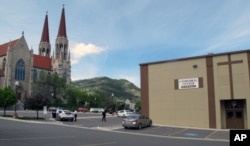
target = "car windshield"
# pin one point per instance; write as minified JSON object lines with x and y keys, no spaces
{"x":132,"y":117}
{"x":67,"y":112}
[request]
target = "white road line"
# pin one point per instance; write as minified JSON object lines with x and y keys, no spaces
{"x":30,"y":138}
{"x":100,"y":144}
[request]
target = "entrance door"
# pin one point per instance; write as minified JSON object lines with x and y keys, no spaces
{"x":234,"y":114}
{"x":19,"y":96}
{"x":235,"y":119}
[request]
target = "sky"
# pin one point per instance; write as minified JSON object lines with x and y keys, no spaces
{"x":113,"y":37}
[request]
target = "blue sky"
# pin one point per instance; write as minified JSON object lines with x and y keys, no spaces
{"x":112,"y":37}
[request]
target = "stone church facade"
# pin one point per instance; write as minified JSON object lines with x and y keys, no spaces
{"x":20,"y":67}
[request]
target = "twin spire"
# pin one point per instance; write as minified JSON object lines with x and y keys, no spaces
{"x":44,"y":46}
{"x":45,"y":33}
{"x":61,"y":31}
{"x":62,"y":26}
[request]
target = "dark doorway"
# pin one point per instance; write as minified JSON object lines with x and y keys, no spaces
{"x":234,"y":114}
{"x":18,"y":96}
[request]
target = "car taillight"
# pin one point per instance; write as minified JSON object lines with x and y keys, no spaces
{"x":134,"y":122}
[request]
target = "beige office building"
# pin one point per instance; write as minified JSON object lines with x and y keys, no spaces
{"x":210,"y":91}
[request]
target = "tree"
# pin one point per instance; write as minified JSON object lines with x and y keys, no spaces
{"x":58,"y":85}
{"x":7,"y":98}
{"x":82,"y":99}
{"x":138,"y":105}
{"x":50,"y":85}
{"x":95,"y":100}
{"x":37,"y":103}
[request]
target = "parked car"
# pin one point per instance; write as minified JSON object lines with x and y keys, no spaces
{"x":124,"y":113}
{"x":136,"y":121}
{"x":83,"y":109}
{"x":64,"y":115}
{"x":96,"y":110}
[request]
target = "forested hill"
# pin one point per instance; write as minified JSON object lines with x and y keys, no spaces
{"x":120,"y":88}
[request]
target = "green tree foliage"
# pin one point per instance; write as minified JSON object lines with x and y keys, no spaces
{"x":37,"y":103}
{"x":75,"y":97}
{"x":78,"y":98}
{"x":7,"y":98}
{"x":50,"y":86}
{"x":95,"y":101}
{"x":138,"y":105}
{"x":58,"y":85}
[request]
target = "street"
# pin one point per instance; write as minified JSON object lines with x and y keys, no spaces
{"x":89,"y":131}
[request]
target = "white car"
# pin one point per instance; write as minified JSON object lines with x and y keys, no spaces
{"x":124,"y":113}
{"x":64,"y":115}
{"x":96,"y":110}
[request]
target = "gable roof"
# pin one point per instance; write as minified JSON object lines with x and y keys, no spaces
{"x":42,"y":62}
{"x":4,"y":47}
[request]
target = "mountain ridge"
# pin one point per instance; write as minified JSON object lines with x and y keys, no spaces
{"x":117,"y":88}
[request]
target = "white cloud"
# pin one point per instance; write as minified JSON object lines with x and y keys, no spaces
{"x":235,"y":34}
{"x":229,"y":39}
{"x":80,"y":50}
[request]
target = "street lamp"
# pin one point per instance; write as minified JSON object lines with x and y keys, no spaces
{"x":95,"y":102}
{"x":114,"y":102}
{"x":25,"y":100}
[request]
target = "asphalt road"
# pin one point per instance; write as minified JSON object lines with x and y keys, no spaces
{"x":90,"y":131}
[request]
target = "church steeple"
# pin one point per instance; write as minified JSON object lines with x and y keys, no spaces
{"x":62,"y":26}
{"x":45,"y":33}
{"x":61,"y":62}
{"x":44,"y":46}
{"x":61,"y":40}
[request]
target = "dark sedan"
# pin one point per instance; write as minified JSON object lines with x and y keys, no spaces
{"x":136,"y":121}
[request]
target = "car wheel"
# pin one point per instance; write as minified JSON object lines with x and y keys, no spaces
{"x":150,"y":124}
{"x":125,"y":127}
{"x":139,"y":126}
{"x":72,"y":120}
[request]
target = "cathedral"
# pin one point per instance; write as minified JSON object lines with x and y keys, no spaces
{"x":20,"y":67}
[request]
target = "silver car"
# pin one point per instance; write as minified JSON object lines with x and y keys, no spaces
{"x":136,"y":121}
{"x":64,"y":115}
{"x":123,"y":113}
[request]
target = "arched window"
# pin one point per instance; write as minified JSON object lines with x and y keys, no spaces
{"x":41,"y":75}
{"x":47,"y":52}
{"x":20,"y":70}
{"x":4,"y":64}
{"x":34,"y":75}
{"x":61,"y":46}
{"x":65,"y":48}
